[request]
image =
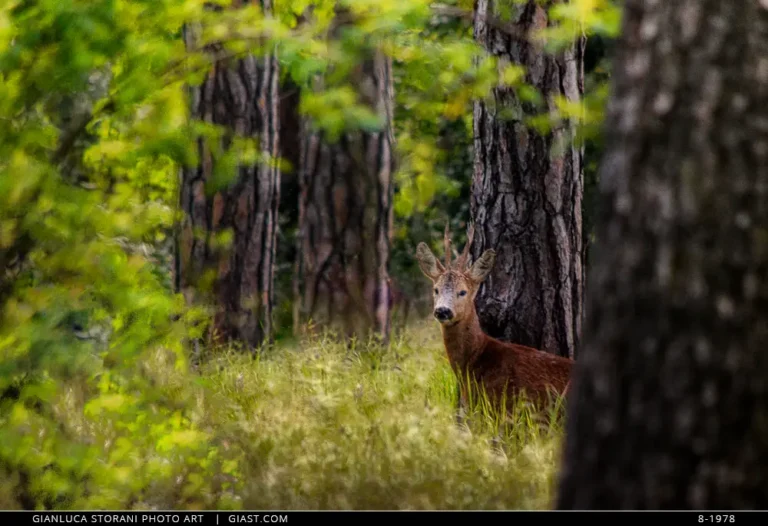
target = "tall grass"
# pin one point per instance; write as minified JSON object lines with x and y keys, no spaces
{"x":324,"y":426}
{"x":311,"y":425}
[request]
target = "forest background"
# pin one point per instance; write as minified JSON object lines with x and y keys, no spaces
{"x":208,"y":220}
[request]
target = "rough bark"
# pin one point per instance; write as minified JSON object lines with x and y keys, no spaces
{"x":345,"y":219}
{"x":670,"y":396}
{"x":242,"y":96}
{"x":527,"y":192}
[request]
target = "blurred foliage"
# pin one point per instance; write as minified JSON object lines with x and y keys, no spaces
{"x":98,"y":405}
{"x":94,"y":125}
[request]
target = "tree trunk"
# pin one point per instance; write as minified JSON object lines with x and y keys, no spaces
{"x":527,"y":194}
{"x":241,"y":96}
{"x":670,"y":397}
{"x":345,"y":219}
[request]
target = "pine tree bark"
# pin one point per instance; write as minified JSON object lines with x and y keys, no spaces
{"x":345,"y":219}
{"x":527,"y":192}
{"x":670,"y":396}
{"x":242,"y":96}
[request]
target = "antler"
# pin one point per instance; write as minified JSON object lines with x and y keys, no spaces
{"x":447,"y":243}
{"x":461,"y":262}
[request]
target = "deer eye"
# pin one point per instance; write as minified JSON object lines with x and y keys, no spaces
{"x":435,"y":291}
{"x":462,"y":293}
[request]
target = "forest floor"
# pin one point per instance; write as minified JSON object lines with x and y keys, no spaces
{"x":326,"y":427}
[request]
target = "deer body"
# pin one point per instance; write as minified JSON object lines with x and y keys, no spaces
{"x":503,"y":370}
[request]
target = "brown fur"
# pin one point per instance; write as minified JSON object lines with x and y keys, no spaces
{"x":499,"y":367}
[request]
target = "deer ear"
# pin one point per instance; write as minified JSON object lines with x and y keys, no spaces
{"x":428,"y":263}
{"x":483,"y":266}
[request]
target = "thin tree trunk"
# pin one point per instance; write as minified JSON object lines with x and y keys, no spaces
{"x":345,"y":219}
{"x":527,"y":192}
{"x":670,"y":397}
{"x":242,"y":96}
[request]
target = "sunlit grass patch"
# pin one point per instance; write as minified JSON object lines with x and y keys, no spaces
{"x":325,"y":427}
{"x":314,"y":425}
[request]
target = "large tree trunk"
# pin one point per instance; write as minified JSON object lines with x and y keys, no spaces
{"x":670,"y":397}
{"x":345,"y":219}
{"x":527,"y":194}
{"x":242,"y":96}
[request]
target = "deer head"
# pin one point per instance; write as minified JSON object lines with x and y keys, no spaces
{"x":455,"y":284}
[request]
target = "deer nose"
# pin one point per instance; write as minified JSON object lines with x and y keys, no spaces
{"x":443,"y":313}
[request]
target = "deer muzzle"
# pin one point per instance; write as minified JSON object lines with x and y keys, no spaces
{"x":443,"y":314}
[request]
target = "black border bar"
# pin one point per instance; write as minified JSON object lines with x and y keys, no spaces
{"x":293,"y":518}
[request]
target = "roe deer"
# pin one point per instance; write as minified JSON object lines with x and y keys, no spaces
{"x":504,"y":370}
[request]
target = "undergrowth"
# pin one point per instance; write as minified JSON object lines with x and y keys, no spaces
{"x":311,"y":425}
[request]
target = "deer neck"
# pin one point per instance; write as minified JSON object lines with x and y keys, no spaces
{"x":464,"y":341}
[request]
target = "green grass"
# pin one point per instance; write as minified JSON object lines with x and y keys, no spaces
{"x":311,"y":425}
{"x":326,"y":427}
